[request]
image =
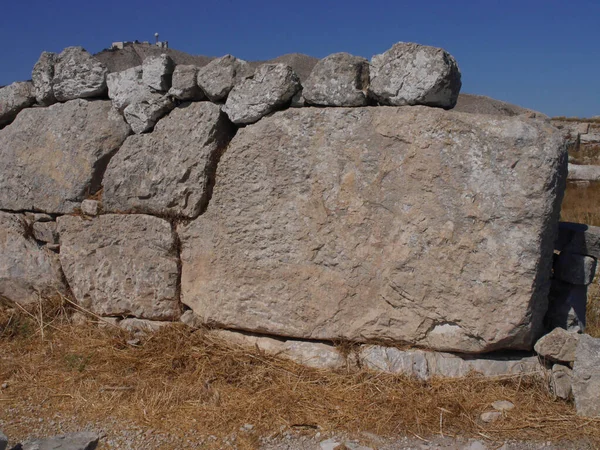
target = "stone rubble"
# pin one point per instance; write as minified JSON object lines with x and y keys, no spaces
{"x":13,"y":99}
{"x":77,"y":74}
{"x":157,"y":72}
{"x":558,"y":346}
{"x":218,"y":77}
{"x":42,"y":76}
{"x":184,"y":86}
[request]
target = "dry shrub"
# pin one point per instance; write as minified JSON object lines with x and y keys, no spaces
{"x":180,"y":380}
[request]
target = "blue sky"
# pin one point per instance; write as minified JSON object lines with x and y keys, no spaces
{"x":541,"y":54}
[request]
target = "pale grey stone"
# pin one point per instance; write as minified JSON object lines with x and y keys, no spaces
{"x":185,"y":86}
{"x":392,"y":360}
{"x":121,"y":265}
{"x":590,"y":138}
{"x":90,"y":207}
{"x":574,"y":268}
{"x":315,"y":232}
{"x":448,"y":365}
{"x":13,"y":99}
{"x":340,"y":79}
{"x":490,"y":416}
{"x":157,"y":72}
{"x":271,"y":87}
{"x":143,"y":115}
{"x":503,"y":405}
{"x":45,"y":232}
{"x":28,"y":272}
{"x":42,"y":75}
{"x":191,"y":319}
{"x":558,"y":345}
{"x":142,"y":326}
{"x":72,"y":441}
{"x":169,"y":171}
{"x":77,"y":74}
{"x":219,"y":76}
{"x":578,"y":238}
{"x":51,"y":158}
{"x":584,"y":173}
{"x":561,"y":379}
{"x":126,"y":88}
{"x":38,"y":217}
{"x":586,"y":376}
{"x":414,"y":74}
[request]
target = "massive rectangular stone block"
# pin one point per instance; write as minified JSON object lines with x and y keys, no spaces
{"x":408,"y":224}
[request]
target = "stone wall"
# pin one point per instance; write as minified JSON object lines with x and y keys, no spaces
{"x":351,"y":204}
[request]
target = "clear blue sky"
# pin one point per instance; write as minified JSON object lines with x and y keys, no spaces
{"x":541,"y":54}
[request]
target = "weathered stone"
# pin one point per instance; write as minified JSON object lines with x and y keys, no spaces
{"x":411,"y":225}
{"x":586,"y":376}
{"x":142,"y":326}
{"x":90,"y":207}
{"x":45,"y":232}
{"x":191,"y":320}
{"x":579,"y":172}
{"x":413,"y":74}
{"x":338,"y":80}
{"x":218,"y":77}
{"x":77,"y":74}
{"x":447,"y":365}
{"x":298,"y":100}
{"x":157,"y":72}
{"x":578,"y":238}
{"x":392,"y":360}
{"x":72,"y":441}
{"x":490,"y":416}
{"x":143,"y":115}
{"x":271,"y":87}
{"x":126,"y":87}
{"x":185,"y":86}
{"x":50,"y":158}
{"x":558,"y":345}
{"x":42,"y":75}
{"x":566,"y":307}
{"x":503,"y":405}
{"x":590,"y":138}
{"x":169,"y":171}
{"x":561,"y":379}
{"x":121,"y":265}
{"x":38,"y":217}
{"x":28,"y":272}
{"x":574,"y":268}
{"x":14,"y":98}
{"x":311,"y":354}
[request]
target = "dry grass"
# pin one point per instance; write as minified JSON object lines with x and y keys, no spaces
{"x":179,"y":380}
{"x":577,"y":119}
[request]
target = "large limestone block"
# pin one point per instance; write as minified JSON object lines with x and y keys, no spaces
{"x":414,"y":74}
{"x":77,"y":74}
{"x":14,"y":98}
{"x":271,"y":87}
{"x":158,"y":72}
{"x":338,"y":80}
{"x":143,"y":115}
{"x":126,"y":87}
{"x":121,"y":265}
{"x":169,"y":171}
{"x":50,"y":158}
{"x":27,"y":271}
{"x":586,"y":376}
{"x":219,"y":76}
{"x":401,"y":224}
{"x":42,"y":75}
{"x":184,"y":86}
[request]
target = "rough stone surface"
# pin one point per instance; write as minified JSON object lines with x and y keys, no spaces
{"x":558,"y":345}
{"x":590,"y":138}
{"x":574,"y":268}
{"x":142,"y":326}
{"x":42,"y":75}
{"x":72,"y":441}
{"x":392,"y":360}
{"x":218,"y":77}
{"x":90,"y":207}
{"x":191,"y":319}
{"x":271,"y":87}
{"x":586,"y":377}
{"x":406,"y":224}
{"x":126,"y":87}
{"x":311,"y":354}
{"x":77,"y":74}
{"x":480,"y":104}
{"x":169,"y":171}
{"x":184,"y":85}
{"x":561,"y":379}
{"x":27,"y":271}
{"x":14,"y":98}
{"x":579,"y":172}
{"x":340,"y":79}
{"x":45,"y":232}
{"x":578,"y":238}
{"x":413,"y":74}
{"x":157,"y":72}
{"x":143,"y":115}
{"x":50,"y":158}
{"x":121,"y":265}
